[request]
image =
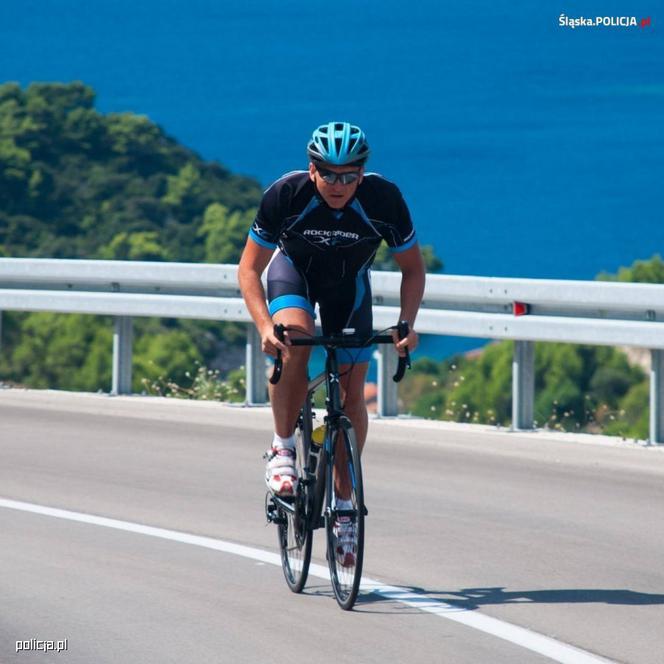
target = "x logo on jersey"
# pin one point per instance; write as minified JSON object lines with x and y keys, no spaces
{"x":327,"y":241}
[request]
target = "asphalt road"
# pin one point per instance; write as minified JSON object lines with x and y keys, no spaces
{"x":558,"y":536}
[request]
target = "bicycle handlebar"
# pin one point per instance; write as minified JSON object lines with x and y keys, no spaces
{"x":344,"y":341}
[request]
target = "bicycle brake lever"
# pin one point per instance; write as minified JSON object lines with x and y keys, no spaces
{"x":279,"y":331}
{"x":404,"y":362}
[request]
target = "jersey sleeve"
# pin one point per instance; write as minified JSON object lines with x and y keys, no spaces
{"x":399,"y":233}
{"x":267,"y":224}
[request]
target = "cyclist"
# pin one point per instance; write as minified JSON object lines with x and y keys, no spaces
{"x":326,"y":223}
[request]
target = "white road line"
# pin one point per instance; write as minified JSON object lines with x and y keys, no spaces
{"x":544,"y":645}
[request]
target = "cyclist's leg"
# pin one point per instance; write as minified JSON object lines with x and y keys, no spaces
{"x":287,"y":396}
{"x":352,"y":390}
{"x":352,"y":386}
{"x":354,"y":363}
{"x":290,"y":305}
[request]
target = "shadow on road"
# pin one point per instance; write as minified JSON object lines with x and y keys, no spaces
{"x":474,"y":598}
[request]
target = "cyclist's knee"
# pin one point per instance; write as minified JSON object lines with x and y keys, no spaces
{"x":354,"y":396}
{"x":300,"y":324}
{"x":352,"y":381}
{"x":354,"y":402}
{"x":296,"y":360}
{"x":299,"y":320}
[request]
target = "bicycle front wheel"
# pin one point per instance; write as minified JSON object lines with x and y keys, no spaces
{"x":344,"y":523}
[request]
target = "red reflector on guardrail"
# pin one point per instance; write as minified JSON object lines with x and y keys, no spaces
{"x":520,"y":308}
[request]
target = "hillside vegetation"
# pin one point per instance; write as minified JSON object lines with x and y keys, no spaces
{"x":577,"y":388}
{"x":75,"y":183}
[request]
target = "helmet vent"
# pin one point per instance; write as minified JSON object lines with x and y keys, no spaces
{"x":337,"y":143}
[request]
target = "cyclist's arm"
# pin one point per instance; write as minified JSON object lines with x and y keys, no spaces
{"x":253,"y":262}
{"x":411,"y":264}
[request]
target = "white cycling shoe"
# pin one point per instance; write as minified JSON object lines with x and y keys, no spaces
{"x":344,"y":532}
{"x":280,"y":473}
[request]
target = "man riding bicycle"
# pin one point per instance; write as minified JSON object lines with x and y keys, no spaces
{"x":327,"y":223}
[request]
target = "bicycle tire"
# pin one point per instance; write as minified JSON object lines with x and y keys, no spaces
{"x":345,"y":560}
{"x":295,"y":538}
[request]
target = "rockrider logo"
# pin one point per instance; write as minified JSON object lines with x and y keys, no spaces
{"x":330,"y":238}
{"x":345,"y":234}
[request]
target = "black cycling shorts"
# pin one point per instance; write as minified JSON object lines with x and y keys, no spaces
{"x":348,"y":305}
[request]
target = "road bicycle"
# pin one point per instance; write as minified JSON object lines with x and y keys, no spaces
{"x":328,"y":465}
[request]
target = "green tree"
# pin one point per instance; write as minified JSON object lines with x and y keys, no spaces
{"x":224,"y":233}
{"x":14,"y":171}
{"x":184,"y":187}
{"x":633,"y":418}
{"x":168,"y":355}
{"x":141,"y":246}
{"x":69,"y":352}
{"x":643,"y":271}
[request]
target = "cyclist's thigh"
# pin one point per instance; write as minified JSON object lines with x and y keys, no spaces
{"x":288,"y":297}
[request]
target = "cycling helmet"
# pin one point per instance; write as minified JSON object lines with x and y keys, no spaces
{"x":338,"y":143}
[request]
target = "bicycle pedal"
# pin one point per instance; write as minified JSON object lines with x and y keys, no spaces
{"x":270,"y":508}
{"x":365,"y":510}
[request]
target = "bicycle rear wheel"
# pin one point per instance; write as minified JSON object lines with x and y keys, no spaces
{"x":345,"y":527}
{"x":295,"y":545}
{"x":295,"y":537}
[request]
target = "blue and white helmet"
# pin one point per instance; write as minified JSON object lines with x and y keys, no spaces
{"x":338,"y":143}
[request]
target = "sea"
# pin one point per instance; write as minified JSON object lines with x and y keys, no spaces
{"x":525,"y":143}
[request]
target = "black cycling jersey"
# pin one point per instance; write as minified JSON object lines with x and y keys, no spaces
{"x":326,"y":253}
{"x":329,"y":245}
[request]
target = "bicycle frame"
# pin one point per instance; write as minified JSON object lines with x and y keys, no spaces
{"x":318,"y":465}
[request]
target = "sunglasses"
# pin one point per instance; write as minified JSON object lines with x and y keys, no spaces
{"x":332,"y":178}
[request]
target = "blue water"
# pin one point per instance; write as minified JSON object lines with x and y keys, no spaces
{"x":523,"y":148}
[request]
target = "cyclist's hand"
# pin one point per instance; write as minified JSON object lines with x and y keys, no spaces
{"x":409,"y":341}
{"x":270,"y":343}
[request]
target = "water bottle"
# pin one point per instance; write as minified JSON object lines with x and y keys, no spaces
{"x":318,"y":435}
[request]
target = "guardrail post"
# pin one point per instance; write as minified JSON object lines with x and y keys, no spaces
{"x":388,"y":403}
{"x":256,"y":381}
{"x":657,"y":396}
{"x":523,"y":385}
{"x":123,"y":336}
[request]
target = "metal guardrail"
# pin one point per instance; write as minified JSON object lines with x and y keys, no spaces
{"x":525,"y":310}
